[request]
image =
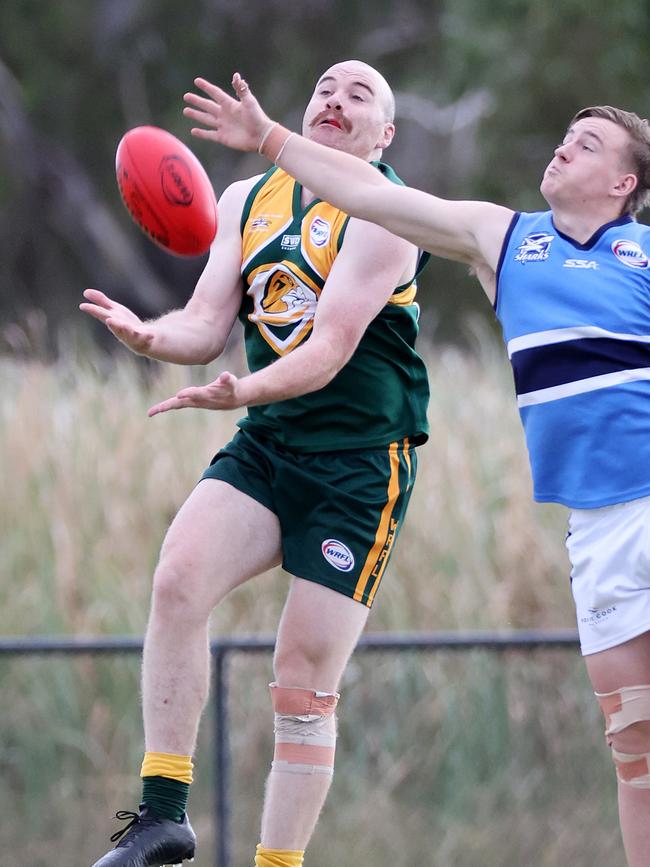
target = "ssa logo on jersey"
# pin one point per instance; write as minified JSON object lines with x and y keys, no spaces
{"x":630,"y":253}
{"x":581,"y":263}
{"x":338,"y":555}
{"x":534,"y":248}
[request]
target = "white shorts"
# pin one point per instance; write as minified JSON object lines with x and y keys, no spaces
{"x":609,"y":549}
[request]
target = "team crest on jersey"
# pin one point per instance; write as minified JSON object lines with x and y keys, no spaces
{"x":338,"y":555}
{"x":283,"y":307}
{"x":319,"y":232}
{"x":534,"y":248}
{"x":630,"y":254}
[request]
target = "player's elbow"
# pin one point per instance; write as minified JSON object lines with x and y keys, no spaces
{"x":332,"y":353}
{"x":212,"y":349}
{"x":210,"y":336}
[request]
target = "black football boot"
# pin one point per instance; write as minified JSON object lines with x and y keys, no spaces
{"x":150,"y":841}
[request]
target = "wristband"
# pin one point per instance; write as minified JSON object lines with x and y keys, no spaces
{"x":282,"y":147}
{"x":265,"y":135}
{"x":273,"y":141}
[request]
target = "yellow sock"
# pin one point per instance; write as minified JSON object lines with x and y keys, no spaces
{"x":278,"y":857}
{"x":167,"y":765}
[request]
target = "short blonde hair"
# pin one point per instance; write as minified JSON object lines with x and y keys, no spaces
{"x":638,"y":130}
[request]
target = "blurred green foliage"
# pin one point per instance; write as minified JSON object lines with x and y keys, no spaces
{"x":483,"y":93}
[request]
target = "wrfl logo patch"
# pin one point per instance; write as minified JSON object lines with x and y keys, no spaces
{"x":338,"y":555}
{"x":630,"y":254}
{"x":319,"y":232}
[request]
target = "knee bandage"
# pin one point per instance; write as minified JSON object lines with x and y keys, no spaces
{"x":305,"y":730}
{"x":622,"y":708}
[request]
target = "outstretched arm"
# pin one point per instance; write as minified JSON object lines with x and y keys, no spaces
{"x":197,"y":333}
{"x":469,"y":232}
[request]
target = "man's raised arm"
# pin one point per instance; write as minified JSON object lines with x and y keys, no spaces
{"x":470,"y":232}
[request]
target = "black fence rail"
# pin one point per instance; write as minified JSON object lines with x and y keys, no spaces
{"x":223,"y":649}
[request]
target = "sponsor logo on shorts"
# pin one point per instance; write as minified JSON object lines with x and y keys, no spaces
{"x":596,"y":616}
{"x":319,"y":232}
{"x":338,"y":555}
{"x":630,"y":254}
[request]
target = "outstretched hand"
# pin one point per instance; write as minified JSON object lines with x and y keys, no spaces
{"x":223,"y":393}
{"x":120,"y":321}
{"x":237,"y":123}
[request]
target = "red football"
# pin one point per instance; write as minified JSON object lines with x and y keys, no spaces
{"x":166,"y":190}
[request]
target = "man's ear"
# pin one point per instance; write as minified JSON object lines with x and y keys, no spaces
{"x":387,"y":136}
{"x":626,"y":184}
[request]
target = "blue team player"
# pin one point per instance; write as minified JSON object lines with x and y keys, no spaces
{"x":571,"y":288}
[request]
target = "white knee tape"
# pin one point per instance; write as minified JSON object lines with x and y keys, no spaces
{"x":305,"y":730}
{"x":622,"y":708}
{"x":633,"y":769}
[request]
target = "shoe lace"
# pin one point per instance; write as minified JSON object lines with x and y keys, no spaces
{"x":122,"y":816}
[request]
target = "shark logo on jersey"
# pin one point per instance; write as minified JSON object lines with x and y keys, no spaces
{"x":283,"y":307}
{"x":534,"y":248}
{"x":319,"y":232}
{"x":630,"y":254}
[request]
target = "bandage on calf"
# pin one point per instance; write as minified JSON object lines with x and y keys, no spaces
{"x":622,"y":708}
{"x":305,"y":730}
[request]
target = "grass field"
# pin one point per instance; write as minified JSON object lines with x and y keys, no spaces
{"x":463,"y":759}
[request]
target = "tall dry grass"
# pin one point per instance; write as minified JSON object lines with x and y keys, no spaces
{"x":91,"y":485}
{"x":464,"y":759}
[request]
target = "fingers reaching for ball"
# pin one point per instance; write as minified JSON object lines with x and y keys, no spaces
{"x":100,"y":306}
{"x":238,"y":123}
{"x":123,"y":323}
{"x":222,"y":393}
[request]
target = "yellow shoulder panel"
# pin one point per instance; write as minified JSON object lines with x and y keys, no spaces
{"x":270,"y":213}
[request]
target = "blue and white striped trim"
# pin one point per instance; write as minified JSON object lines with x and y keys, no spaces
{"x":563,"y":362}
{"x":559,"y":335}
{"x":581,"y":386}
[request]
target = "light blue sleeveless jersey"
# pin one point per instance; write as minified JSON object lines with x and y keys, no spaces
{"x":576,"y":321}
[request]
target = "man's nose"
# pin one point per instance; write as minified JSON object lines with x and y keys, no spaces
{"x":334,"y":103}
{"x":562,"y":152}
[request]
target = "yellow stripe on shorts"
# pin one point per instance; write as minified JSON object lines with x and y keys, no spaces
{"x":378,"y":556}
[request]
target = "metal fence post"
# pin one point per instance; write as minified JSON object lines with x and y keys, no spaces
{"x":221,"y":758}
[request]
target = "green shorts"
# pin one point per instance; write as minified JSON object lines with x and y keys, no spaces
{"x":339,"y":512}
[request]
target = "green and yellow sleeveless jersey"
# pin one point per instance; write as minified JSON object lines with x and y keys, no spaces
{"x":382,"y":393}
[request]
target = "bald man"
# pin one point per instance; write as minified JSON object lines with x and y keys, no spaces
{"x":317,"y":478}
